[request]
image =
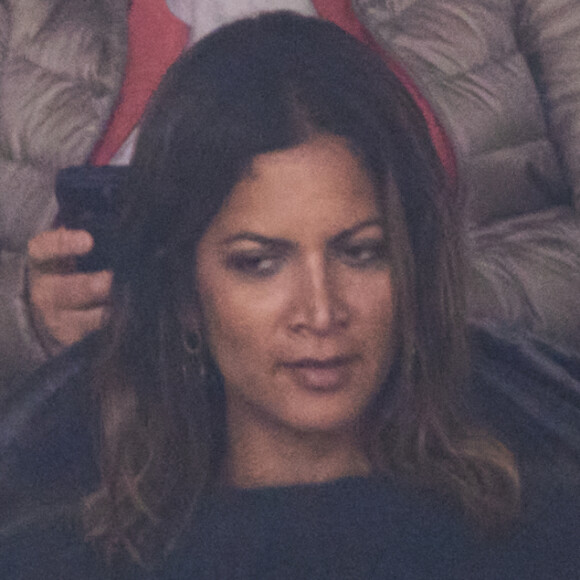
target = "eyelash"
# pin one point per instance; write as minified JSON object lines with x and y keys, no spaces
{"x":364,"y":254}
{"x":257,"y":265}
{"x":360,"y":255}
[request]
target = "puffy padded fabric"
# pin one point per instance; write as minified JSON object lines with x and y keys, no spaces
{"x":480,"y":64}
{"x":522,"y":269}
{"x":549,"y":34}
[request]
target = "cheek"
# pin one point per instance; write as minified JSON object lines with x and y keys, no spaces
{"x":376,"y":307}
{"x":372,"y":298}
{"x":237,"y":328}
{"x":225,"y":328}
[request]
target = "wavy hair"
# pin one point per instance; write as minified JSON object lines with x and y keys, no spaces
{"x":256,"y":86}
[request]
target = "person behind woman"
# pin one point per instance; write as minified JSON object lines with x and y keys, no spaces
{"x":279,"y":384}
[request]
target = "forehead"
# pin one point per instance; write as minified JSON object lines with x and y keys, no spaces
{"x":317,"y":187}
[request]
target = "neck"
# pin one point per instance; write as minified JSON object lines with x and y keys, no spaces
{"x":259,"y":455}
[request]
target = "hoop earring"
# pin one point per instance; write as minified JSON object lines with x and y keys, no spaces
{"x":192,"y":343}
{"x":192,"y":346}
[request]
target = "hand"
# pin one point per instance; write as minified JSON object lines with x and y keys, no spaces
{"x":65,"y":305}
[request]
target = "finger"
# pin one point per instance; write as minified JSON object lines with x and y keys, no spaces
{"x":82,"y":291}
{"x":58,"y":244}
{"x":77,"y":324}
{"x":72,"y":291}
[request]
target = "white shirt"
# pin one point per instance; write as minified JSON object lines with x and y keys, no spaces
{"x":205,"y":16}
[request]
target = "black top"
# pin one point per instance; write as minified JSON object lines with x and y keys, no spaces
{"x":368,"y":529}
{"x":350,"y":529}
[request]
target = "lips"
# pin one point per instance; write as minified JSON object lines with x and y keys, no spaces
{"x":322,"y":375}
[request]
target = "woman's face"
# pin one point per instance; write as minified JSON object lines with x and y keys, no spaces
{"x":296,"y":292}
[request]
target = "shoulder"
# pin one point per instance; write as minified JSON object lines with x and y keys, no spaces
{"x":526,"y":389}
{"x":47,"y":465}
{"x":46,"y":438}
{"x":48,"y":544}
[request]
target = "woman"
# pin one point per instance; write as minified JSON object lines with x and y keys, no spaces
{"x":279,"y":388}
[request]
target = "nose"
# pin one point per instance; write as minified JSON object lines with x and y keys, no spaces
{"x":319,"y":304}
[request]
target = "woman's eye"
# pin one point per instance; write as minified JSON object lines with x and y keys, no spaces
{"x":365,"y":254}
{"x":258,"y":265}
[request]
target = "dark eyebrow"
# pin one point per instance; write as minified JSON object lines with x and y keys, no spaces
{"x":283,"y":244}
{"x":273,"y":243}
{"x":339,"y":238}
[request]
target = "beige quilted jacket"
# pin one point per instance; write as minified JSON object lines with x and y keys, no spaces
{"x":504,"y":79}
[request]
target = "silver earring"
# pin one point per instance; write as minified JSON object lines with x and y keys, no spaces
{"x":192,"y":346}
{"x":192,"y":343}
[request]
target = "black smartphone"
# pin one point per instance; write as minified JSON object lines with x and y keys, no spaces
{"x":88,"y":199}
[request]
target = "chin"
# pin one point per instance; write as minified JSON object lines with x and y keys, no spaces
{"x":327,"y":420}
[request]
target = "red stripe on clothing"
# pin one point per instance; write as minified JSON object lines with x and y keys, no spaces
{"x":156,"y":39}
{"x":340,"y":12}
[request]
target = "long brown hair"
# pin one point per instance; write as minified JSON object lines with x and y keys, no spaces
{"x":256,"y":86}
